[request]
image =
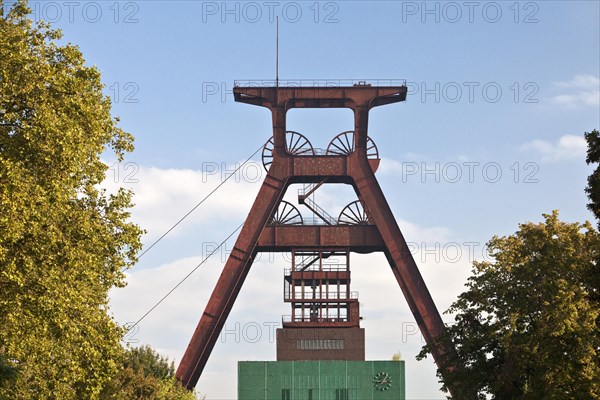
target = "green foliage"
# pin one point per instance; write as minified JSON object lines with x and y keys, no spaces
{"x":145,"y":375}
{"x":146,"y":360}
{"x":593,"y":157}
{"x":63,"y":242}
{"x":527,"y":327}
{"x":8,"y":372}
{"x":593,"y":192}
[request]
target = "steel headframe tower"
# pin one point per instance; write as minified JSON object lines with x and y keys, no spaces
{"x":273,"y":225}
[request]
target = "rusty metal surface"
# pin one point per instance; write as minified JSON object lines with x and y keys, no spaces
{"x":354,"y":169}
{"x":320,"y":97}
{"x":342,"y":276}
{"x":229,"y":285}
{"x":361,"y":238}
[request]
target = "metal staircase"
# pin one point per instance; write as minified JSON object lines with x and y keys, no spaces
{"x":304,"y":198}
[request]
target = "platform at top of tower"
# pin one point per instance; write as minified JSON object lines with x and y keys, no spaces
{"x":314,"y":83}
{"x":320,"y":93}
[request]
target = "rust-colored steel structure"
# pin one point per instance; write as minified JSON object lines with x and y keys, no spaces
{"x":325,"y":319}
{"x":366,"y":226}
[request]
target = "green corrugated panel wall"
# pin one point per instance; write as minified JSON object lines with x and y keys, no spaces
{"x":323,"y":380}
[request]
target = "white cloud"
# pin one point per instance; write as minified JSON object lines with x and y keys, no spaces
{"x":565,"y":148}
{"x":581,"y":91}
{"x":390,"y":166}
{"x":415,"y":233}
{"x":406,"y":167}
{"x":580,"y":81}
{"x":163,"y":196}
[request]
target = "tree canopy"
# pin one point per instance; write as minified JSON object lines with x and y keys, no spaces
{"x":146,"y":375}
{"x":593,"y":157}
{"x":64,"y":243}
{"x":527,"y":325}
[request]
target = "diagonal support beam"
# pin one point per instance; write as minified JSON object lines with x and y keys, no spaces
{"x":404,"y":266}
{"x":229,"y":284}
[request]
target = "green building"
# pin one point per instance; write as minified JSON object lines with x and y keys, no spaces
{"x":321,"y":380}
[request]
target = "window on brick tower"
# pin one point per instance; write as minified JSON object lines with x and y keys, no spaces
{"x":320,"y":344}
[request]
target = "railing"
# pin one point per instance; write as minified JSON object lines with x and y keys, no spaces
{"x":288,"y":318}
{"x":306,"y":263}
{"x":304,"y":198}
{"x":320,"y":212}
{"x":315,"y":268}
{"x":325,"y":83}
{"x":321,"y":296}
{"x":308,"y":189}
{"x":317,"y":152}
{"x":311,"y":221}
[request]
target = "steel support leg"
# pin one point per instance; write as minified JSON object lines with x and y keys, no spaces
{"x":229,"y":284}
{"x":404,"y":267}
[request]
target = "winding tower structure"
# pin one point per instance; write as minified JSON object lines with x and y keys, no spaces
{"x":325,"y":320}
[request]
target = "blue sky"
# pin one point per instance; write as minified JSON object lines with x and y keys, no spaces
{"x":494,"y":87}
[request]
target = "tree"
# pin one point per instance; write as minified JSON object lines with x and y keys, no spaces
{"x":527,"y":326}
{"x":593,"y":157}
{"x":7,"y":371}
{"x":146,"y":375}
{"x":64,"y":243}
{"x":593,"y":192}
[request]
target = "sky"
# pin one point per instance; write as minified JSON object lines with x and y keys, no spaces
{"x":490,"y":136}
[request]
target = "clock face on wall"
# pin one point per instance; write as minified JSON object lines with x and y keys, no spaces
{"x":382,"y":381}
